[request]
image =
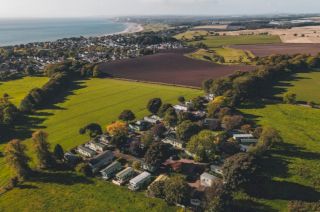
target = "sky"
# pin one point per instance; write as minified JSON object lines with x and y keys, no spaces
{"x":92,"y":8}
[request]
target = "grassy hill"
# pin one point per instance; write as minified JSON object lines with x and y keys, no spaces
{"x":94,"y":100}
{"x":18,"y":89}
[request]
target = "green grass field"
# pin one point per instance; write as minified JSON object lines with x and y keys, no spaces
{"x":305,"y":85}
{"x":18,"y":89}
{"x":191,"y":34}
{"x":95,"y":100}
{"x":294,"y":167}
{"x":220,"y":41}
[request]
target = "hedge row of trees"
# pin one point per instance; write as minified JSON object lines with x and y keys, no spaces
{"x":9,"y":114}
{"x":249,"y":85}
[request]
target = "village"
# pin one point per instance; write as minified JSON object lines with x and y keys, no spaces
{"x":126,"y":165}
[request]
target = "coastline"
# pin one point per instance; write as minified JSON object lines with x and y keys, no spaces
{"x":131,"y":28}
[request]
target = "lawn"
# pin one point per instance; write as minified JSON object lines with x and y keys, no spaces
{"x":305,"y":85}
{"x":294,"y":169}
{"x":220,"y":41}
{"x":18,"y":89}
{"x":71,"y":192}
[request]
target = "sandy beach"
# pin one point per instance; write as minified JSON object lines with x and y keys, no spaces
{"x":132,"y":28}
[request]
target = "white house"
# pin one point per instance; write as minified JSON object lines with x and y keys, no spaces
{"x":123,"y":176}
{"x":98,"y":147}
{"x":152,"y":119}
{"x":248,"y":141}
{"x":237,"y":137}
{"x":207,"y":179}
{"x":110,"y":170}
{"x":139,"y":181}
{"x":86,"y":152}
{"x":173,"y":141}
{"x":180,"y":108}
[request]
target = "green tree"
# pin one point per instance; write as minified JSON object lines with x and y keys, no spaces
{"x":92,"y":129}
{"x":163,"y":109}
{"x":157,"y":189}
{"x":170,"y":117}
{"x":58,"y":152}
{"x":127,"y":115}
{"x":154,"y":105}
{"x":176,"y":190}
{"x":147,"y":138}
{"x":41,"y":146}
{"x":17,"y":159}
{"x":156,"y":154}
{"x":181,"y":99}
{"x":289,"y":98}
{"x":186,"y":130}
{"x":85,"y":169}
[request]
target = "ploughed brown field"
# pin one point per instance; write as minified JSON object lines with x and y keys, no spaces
{"x":169,"y":67}
{"x":262,"y":50}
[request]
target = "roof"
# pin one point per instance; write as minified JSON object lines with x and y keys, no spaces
{"x":85,"y":149}
{"x":124,"y":172}
{"x":102,"y":156}
{"x":140,"y":177}
{"x":207,"y":176}
{"x":116,"y":163}
{"x":242,"y":135}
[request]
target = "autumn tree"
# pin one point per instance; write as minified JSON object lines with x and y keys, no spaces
{"x":41,"y":146}
{"x":154,"y":105}
{"x":117,"y":128}
{"x":127,"y":115}
{"x":17,"y":159}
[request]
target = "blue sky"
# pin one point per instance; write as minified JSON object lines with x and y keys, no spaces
{"x":78,"y":8}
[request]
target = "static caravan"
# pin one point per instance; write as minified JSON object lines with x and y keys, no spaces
{"x":139,"y":181}
{"x":237,"y":137}
{"x":101,"y":160}
{"x":123,"y":176}
{"x":86,"y":152}
{"x":110,"y":170}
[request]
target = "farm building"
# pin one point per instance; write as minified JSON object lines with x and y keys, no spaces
{"x":207,"y":179}
{"x":110,"y":170}
{"x":101,"y":160}
{"x":86,"y":152}
{"x":123,"y":176}
{"x":139,"y":181}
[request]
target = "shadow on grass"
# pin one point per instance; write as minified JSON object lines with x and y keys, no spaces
{"x":251,"y":206}
{"x":63,"y":178}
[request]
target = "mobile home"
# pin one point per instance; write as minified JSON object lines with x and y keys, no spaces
{"x":139,"y":181}
{"x":110,"y":170}
{"x":123,"y":176}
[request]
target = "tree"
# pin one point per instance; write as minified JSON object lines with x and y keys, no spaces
{"x":231,"y":122}
{"x":92,"y":129}
{"x":217,"y":198}
{"x":85,"y":169}
{"x":17,"y":159}
{"x":289,"y":98}
{"x":186,"y":130}
{"x":96,"y":72}
{"x":136,"y":165}
{"x":41,"y":146}
{"x":147,"y":138}
{"x":156,"y":154}
{"x":117,"y":128}
{"x":215,"y":104}
{"x":176,"y":190}
{"x":170,"y":118}
{"x":157,"y":189}
{"x":181,"y":99}
{"x":154,"y":105}
{"x":127,"y":115}
{"x":268,"y":138}
{"x":159,"y":130}
{"x":163,"y":109}
{"x":238,"y":170}
{"x":58,"y":152}
{"x":203,"y":145}
{"x":119,"y":140}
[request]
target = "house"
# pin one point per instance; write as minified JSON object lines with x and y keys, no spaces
{"x":211,"y":124}
{"x":105,"y":139}
{"x":180,"y":108}
{"x":209,"y":97}
{"x":110,"y":170}
{"x":139,"y":126}
{"x":98,"y":147}
{"x":123,"y":176}
{"x":237,"y":137}
{"x":174,"y":142}
{"x":149,"y":167}
{"x":248,"y":141}
{"x":216,"y":169}
{"x":139,"y":181}
{"x":101,"y":160}
{"x":86,"y":152}
{"x":207,"y":179}
{"x":152,"y":119}
{"x":71,"y":159}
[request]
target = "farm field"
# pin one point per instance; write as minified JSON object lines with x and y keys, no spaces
{"x":220,"y":41}
{"x":18,"y":89}
{"x":262,"y":50}
{"x":99,"y":101}
{"x":191,"y":34}
{"x":293,"y":171}
{"x":170,"y":67}
{"x":305,"y":85}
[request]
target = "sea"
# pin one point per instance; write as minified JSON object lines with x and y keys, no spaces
{"x":23,"y":31}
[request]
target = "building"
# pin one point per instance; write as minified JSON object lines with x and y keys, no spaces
{"x":71,"y":159}
{"x":139,"y":126}
{"x":104,"y":139}
{"x":209,"y":97}
{"x":237,"y":137}
{"x":98,"y":147}
{"x":244,"y":148}
{"x":101,"y":160}
{"x":180,"y":108}
{"x":86,"y":152}
{"x":152,"y":119}
{"x":216,"y":169}
{"x":174,"y":142}
{"x":248,"y":141}
{"x":139,"y":181}
{"x":123,"y":176}
{"x":211,"y":124}
{"x":207,"y":179}
{"x":110,"y":170}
